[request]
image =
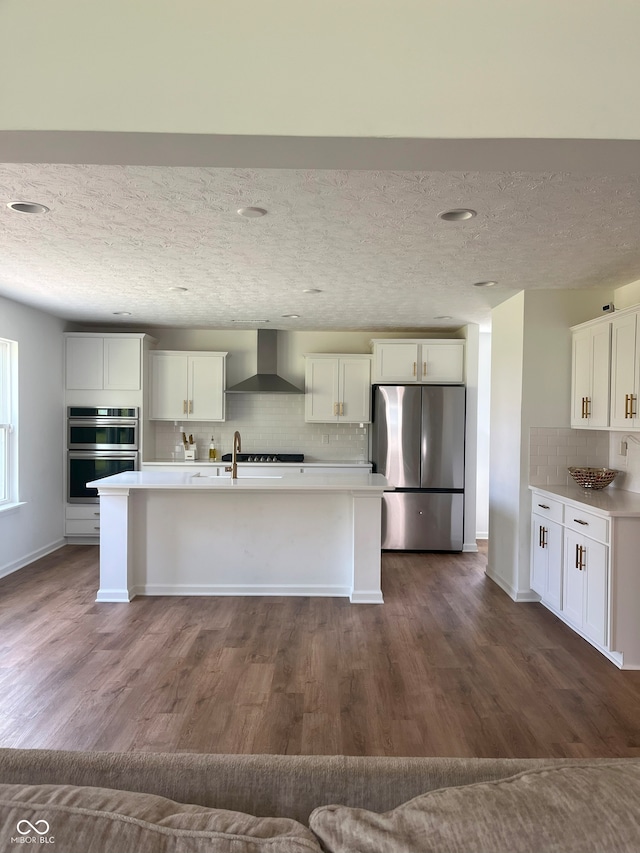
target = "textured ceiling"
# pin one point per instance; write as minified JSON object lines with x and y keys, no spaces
{"x":118,"y":238}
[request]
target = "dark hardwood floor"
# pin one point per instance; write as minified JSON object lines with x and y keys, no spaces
{"x":449,"y":665}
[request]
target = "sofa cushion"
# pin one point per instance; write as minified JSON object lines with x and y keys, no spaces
{"x":593,"y":807}
{"x":102,"y":820}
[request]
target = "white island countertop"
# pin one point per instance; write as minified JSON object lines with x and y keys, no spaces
{"x":183,"y":480}
{"x":184,"y":533}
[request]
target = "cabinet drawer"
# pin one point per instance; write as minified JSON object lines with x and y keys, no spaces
{"x":82,"y":527}
{"x":88,"y":512}
{"x":546,"y":507}
{"x":593,"y":526}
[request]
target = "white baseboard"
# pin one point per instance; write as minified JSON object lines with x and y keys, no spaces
{"x":242,"y":589}
{"x":527,"y":595}
{"x":31,"y":558}
{"x":470,"y":548}
{"x":482,"y":534}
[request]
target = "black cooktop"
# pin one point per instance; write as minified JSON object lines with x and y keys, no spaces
{"x":265,"y":457}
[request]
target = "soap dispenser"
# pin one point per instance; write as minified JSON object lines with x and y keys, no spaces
{"x":213,"y":453}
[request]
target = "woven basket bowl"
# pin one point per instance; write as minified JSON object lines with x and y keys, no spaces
{"x":593,"y":478}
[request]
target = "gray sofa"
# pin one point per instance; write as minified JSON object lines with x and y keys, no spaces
{"x":115,"y":803}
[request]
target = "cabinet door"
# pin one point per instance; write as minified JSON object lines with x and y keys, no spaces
{"x":168,"y":391}
{"x":598,"y":406}
{"x":546,"y":561}
{"x":623,"y":371}
{"x":355,"y":390}
{"x":539,"y":561}
{"x":595,"y":591}
{"x":553,"y":547}
{"x":442,"y":362}
{"x":581,"y":365}
{"x":397,"y":362}
{"x":573,"y":586}
{"x":85,"y":363}
{"x":321,"y":390}
{"x":122,"y":364}
{"x":206,"y":388}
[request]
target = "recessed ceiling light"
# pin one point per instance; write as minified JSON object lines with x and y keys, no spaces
{"x":312,"y":290}
{"x":122,"y":313}
{"x":291,"y":316}
{"x":485,"y":283}
{"x":252,"y":212}
{"x":443,"y":317}
{"x":27,"y":207}
{"x":179,"y":289}
{"x":458,"y":214}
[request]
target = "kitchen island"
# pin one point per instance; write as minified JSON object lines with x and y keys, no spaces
{"x":177,"y":533}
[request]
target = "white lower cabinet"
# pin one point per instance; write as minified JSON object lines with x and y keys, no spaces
{"x":584,"y":566}
{"x":82,"y":520}
{"x":546,"y":561}
{"x":584,"y":602}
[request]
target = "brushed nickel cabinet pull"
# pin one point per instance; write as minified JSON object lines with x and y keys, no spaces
{"x":581,"y":552}
{"x":342,"y":408}
{"x":184,"y":407}
{"x":544,"y":537}
{"x":190,"y":407}
{"x":628,"y":405}
{"x":540,"y":536}
{"x":583,"y":407}
{"x":577,"y":557}
{"x":632,"y":399}
{"x":587,"y":407}
{"x":424,"y":368}
{"x":335,"y":408}
{"x":580,"y":521}
{"x":415,"y":368}
{"x":544,"y":506}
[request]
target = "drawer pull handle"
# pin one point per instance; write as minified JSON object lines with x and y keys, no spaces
{"x":580,"y":521}
{"x":96,"y":513}
{"x":544,"y":506}
{"x":97,"y":527}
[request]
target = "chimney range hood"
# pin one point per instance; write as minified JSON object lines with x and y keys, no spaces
{"x":266,"y":380}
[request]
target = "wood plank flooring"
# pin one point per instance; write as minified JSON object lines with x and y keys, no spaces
{"x":449,"y":665}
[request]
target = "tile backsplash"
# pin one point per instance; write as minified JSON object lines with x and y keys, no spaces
{"x":268,"y":423}
{"x":552,"y":450}
{"x":629,"y":465}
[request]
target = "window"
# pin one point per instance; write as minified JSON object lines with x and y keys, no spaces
{"x":8,"y":418}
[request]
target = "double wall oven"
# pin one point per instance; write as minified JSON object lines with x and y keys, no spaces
{"x":100,"y":441}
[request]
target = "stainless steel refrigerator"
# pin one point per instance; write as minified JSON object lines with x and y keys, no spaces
{"x":417,"y":443}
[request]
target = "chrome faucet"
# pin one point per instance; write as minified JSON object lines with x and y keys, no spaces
{"x":237,"y":447}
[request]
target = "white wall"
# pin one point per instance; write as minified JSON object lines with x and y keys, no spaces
{"x":323,"y":67}
{"x":484,"y":421}
{"x":530,"y":387}
{"x":507,"y":344}
{"x":35,"y":529}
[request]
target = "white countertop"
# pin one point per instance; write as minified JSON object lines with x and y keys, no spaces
{"x":608,"y":501}
{"x":182,"y":480}
{"x":311,"y":463}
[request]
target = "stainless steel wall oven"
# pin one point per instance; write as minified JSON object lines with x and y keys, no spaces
{"x":100,"y":441}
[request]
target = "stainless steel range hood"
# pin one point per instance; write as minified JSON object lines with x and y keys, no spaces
{"x":266,"y":380}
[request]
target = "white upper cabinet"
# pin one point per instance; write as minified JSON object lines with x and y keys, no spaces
{"x":338,"y":388}
{"x":187,"y":385}
{"x":591,"y":365}
{"x":625,"y":351}
{"x":606,"y":366}
{"x":103,"y":362}
{"x":420,"y":361}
